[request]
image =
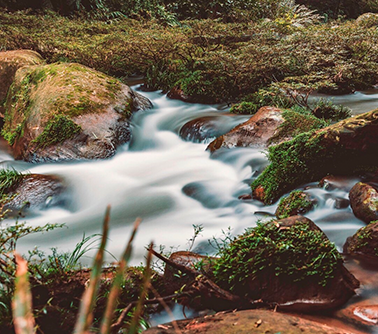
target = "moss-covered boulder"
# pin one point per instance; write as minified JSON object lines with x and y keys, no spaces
{"x":297,"y":202}
{"x":67,"y":111}
{"x":268,"y":126}
{"x":10,"y":62}
{"x":364,"y":242}
{"x":364,"y":202}
{"x":23,"y":192}
{"x":347,"y":147}
{"x":247,"y":322}
{"x":289,"y":263}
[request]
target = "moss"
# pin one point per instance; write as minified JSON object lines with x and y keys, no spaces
{"x":57,"y":130}
{"x":295,"y":253}
{"x":297,"y":121}
{"x":292,"y":164}
{"x":297,"y":202}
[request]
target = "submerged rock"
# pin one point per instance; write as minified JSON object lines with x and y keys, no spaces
{"x":364,"y":243}
{"x":67,"y":111}
{"x":289,"y":263}
{"x":257,"y":131}
{"x":364,"y":202}
{"x":10,"y":62}
{"x":34,"y":191}
{"x":247,"y":322}
{"x":202,"y":128}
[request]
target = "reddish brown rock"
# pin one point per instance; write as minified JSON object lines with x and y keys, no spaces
{"x":247,"y":322}
{"x":364,"y":202}
{"x":364,"y":243}
{"x":256,"y":132}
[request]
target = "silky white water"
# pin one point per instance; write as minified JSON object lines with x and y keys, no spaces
{"x":146,"y":179}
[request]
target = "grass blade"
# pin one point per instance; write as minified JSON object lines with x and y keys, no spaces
{"x":146,"y":284}
{"x":22,"y":299}
{"x":85,"y":317}
{"x":114,"y":292}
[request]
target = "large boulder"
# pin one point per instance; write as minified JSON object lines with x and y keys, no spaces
{"x":364,"y":243}
{"x":289,"y":263}
{"x":364,"y":202}
{"x":67,"y":111}
{"x":257,"y":131}
{"x":247,"y":322}
{"x":346,"y":147}
{"x":10,"y":62}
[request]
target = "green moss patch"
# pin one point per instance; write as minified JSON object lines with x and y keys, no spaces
{"x":297,"y":202}
{"x":295,"y":253}
{"x":9,"y":179}
{"x":57,"y":130}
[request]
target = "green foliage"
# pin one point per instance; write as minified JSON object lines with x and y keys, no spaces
{"x":325,"y":109}
{"x":295,"y":254}
{"x":9,"y":178}
{"x":297,"y":202}
{"x":292,"y":164}
{"x":263,"y":97}
{"x":57,"y":130}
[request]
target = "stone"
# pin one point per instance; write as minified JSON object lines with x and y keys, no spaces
{"x":10,"y":62}
{"x":364,"y":243}
{"x":256,"y":132}
{"x":364,"y":202}
{"x":247,"y":322}
{"x":67,"y":111}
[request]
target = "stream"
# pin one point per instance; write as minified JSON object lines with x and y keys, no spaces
{"x":172,"y":184}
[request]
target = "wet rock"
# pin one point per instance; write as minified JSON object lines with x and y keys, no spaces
{"x":247,"y":322}
{"x":297,"y":202}
{"x":332,"y":182}
{"x":361,"y":315}
{"x":296,"y":243}
{"x":202,"y":128}
{"x":33,"y":192}
{"x":67,"y":111}
{"x":257,"y":131}
{"x":364,"y":243}
{"x":177,"y":94}
{"x":10,"y":62}
{"x":245,"y":197}
{"x":173,"y":279}
{"x":364,"y":202}
{"x":341,"y":203}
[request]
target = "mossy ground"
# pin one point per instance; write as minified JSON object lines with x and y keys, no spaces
{"x":208,"y":59}
{"x":296,"y":253}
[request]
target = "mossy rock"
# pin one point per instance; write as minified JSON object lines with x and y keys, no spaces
{"x":364,"y":202}
{"x":67,"y":111}
{"x":345,"y":148}
{"x":297,"y":202}
{"x":10,"y":62}
{"x":364,"y":243}
{"x":289,"y":263}
{"x":367,"y":20}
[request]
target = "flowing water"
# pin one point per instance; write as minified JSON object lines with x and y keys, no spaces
{"x":172,"y":184}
